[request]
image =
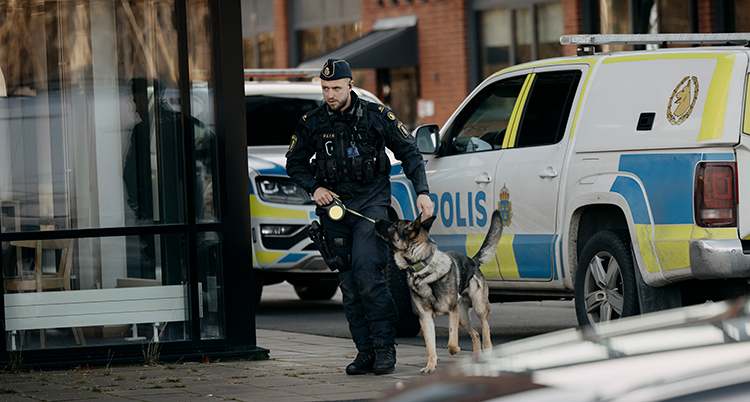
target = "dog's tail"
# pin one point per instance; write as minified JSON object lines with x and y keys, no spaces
{"x":489,"y":246}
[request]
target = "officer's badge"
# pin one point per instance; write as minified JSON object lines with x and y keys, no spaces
{"x":504,"y":206}
{"x":391,"y":116}
{"x":381,"y":109}
{"x":293,"y":143}
{"x":682,"y":101}
{"x":403,"y":129}
{"x":304,"y":117}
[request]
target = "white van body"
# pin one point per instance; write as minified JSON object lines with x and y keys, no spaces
{"x":648,"y":146}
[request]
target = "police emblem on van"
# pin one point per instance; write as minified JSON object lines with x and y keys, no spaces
{"x":504,"y":206}
{"x":682,"y":101}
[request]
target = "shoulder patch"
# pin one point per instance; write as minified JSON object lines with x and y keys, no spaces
{"x":293,"y":143}
{"x":403,"y":129}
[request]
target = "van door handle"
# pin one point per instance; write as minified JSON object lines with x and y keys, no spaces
{"x":483,"y":179}
{"x":548,"y":173}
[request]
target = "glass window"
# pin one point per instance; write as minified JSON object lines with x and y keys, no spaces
{"x":495,"y":40}
{"x":524,"y":35}
{"x":352,"y":31}
{"x":271,"y":120}
{"x":549,"y":23}
{"x":95,"y":291}
{"x":90,"y":129}
{"x":310,"y":42}
{"x":248,"y":52}
{"x":92,"y":136}
{"x":482,"y":123}
{"x":614,"y":18}
{"x":210,"y":287}
{"x":204,"y":126}
{"x":742,"y":15}
{"x":547,"y":108}
{"x":266,"y":50}
{"x":333,"y":37}
{"x":673,"y":16}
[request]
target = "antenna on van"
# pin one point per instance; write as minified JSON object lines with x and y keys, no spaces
{"x":586,"y":43}
{"x":251,"y":73}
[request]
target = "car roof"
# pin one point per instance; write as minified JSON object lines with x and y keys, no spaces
{"x":295,"y":87}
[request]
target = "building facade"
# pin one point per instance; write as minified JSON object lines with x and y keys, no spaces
{"x":123,"y":181}
{"x":458,"y":43}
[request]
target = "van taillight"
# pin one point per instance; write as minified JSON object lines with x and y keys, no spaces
{"x":715,"y":195}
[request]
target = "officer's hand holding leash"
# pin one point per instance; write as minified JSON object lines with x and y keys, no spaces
{"x":324,"y":196}
{"x":424,"y":205}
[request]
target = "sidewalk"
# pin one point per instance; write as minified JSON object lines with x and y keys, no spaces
{"x":301,"y":368}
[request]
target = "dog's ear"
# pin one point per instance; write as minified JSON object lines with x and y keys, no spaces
{"x":427,"y":224}
{"x":414,"y":227}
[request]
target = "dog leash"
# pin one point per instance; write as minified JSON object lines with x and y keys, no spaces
{"x":337,"y":208}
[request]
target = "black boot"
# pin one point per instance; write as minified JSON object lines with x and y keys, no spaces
{"x":362,"y":364}
{"x":385,"y":359}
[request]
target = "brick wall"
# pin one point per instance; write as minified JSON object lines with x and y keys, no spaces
{"x":572,"y":22}
{"x":706,"y":22}
{"x":281,"y":33}
{"x":443,"y":58}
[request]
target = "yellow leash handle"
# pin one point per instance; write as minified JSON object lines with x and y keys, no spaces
{"x":336,"y":211}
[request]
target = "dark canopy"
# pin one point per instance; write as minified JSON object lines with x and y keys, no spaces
{"x":389,"y":48}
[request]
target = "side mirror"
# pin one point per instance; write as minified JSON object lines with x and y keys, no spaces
{"x":428,"y":137}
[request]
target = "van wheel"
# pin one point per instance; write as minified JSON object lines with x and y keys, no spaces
{"x":605,"y":287}
{"x":395,"y":279}
{"x":318,"y":290}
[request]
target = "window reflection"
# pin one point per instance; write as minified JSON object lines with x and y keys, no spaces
{"x":92,"y":136}
{"x":81,"y":292}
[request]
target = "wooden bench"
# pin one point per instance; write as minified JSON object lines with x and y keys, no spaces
{"x":83,"y":308}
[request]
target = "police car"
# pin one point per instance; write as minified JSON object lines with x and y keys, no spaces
{"x":622,"y":178}
{"x":280,"y":210}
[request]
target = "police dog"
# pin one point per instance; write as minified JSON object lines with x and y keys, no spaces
{"x":443,"y":282}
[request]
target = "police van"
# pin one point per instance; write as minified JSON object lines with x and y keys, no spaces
{"x":623,"y":178}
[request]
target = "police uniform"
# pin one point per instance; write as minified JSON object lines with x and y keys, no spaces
{"x":348,"y":157}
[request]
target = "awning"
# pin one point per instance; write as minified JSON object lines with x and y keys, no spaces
{"x":388,"y":48}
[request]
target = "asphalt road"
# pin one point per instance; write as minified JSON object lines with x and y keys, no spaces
{"x":281,"y":309}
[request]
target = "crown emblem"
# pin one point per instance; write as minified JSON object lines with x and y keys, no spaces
{"x":504,"y":206}
{"x":504,"y":195}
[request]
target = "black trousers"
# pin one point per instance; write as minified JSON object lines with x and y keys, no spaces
{"x":368,"y":305}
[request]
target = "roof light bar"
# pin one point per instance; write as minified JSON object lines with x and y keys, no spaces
{"x":282,"y":72}
{"x":647,"y":39}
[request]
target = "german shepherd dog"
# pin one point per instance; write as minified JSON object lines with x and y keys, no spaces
{"x":443,"y":282}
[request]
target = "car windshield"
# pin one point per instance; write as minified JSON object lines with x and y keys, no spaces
{"x":271,"y":119}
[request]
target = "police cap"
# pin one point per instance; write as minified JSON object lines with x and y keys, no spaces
{"x":335,"y":69}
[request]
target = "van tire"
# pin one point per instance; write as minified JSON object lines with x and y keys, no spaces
{"x":594,"y":298}
{"x":407,"y":324}
{"x":318,"y":290}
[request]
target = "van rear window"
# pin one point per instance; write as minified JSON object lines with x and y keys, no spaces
{"x":271,"y":120}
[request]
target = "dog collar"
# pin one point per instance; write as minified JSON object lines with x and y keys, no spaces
{"x":420,"y":265}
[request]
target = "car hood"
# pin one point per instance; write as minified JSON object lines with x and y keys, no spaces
{"x":267,"y":160}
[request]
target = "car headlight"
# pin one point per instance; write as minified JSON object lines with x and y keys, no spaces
{"x":282,"y":190}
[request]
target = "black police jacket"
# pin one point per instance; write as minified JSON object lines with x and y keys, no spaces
{"x":382,"y":128}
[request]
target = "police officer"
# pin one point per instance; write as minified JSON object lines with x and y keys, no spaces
{"x":347,"y":137}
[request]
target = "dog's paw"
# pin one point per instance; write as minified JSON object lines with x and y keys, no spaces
{"x":453,"y":349}
{"x":427,"y":370}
